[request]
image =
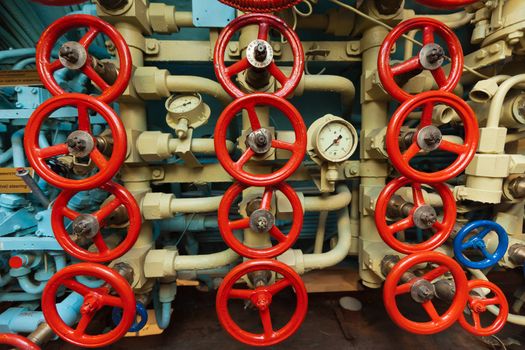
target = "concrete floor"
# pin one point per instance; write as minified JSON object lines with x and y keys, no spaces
{"x":194,"y":326}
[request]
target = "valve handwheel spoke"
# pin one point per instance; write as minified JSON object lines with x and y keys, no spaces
{"x":17,"y":341}
{"x":115,"y":292}
{"x":431,"y":57}
{"x":261,"y":140}
{"x":74,"y":55}
{"x":429,"y":138}
{"x":471,"y":236}
{"x":478,"y":303}
{"x":423,"y":288}
{"x":421,"y":216}
{"x":80,"y":143}
{"x":261,"y":221}
{"x":87,"y":226}
{"x":261,"y":297}
{"x":259,"y":54}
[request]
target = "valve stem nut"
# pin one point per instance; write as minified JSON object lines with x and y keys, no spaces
{"x":261,"y":220}
{"x":260,"y":141}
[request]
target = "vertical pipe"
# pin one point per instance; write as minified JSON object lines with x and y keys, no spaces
{"x":373,"y":171}
{"x":133,"y":116}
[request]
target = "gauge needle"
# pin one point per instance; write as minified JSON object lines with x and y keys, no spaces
{"x":336,"y":141}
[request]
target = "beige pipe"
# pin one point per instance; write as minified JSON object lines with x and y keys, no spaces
{"x":206,"y":261}
{"x":498,"y":99}
{"x":315,"y":203}
{"x":331,"y":83}
{"x":184,"y":19}
{"x":200,"y":146}
{"x":484,"y":90}
{"x":340,"y":251}
{"x":195,"y":205}
{"x":188,"y":83}
{"x":432,"y":199}
{"x":320,"y":234}
{"x":340,"y":200}
{"x":453,"y":20}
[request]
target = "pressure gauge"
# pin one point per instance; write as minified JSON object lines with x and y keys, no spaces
{"x":332,"y":139}
{"x":182,"y":105}
{"x":186,"y":111}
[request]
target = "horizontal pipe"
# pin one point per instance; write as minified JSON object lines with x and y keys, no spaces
{"x":195,"y":205}
{"x":206,"y":261}
{"x":188,"y":83}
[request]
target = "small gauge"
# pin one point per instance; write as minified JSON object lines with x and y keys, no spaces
{"x":183,"y":104}
{"x":335,"y":139}
{"x":186,"y":111}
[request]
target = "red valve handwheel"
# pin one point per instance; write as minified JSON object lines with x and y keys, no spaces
{"x":427,"y":101}
{"x":95,"y":26}
{"x":447,"y":4}
{"x":17,"y":341}
{"x":59,"y":2}
{"x":92,"y":223}
{"x":235,"y":168}
{"x":439,"y":322}
{"x":265,"y":23}
{"x":418,"y":216}
{"x":83,"y":103}
{"x":115,"y":293}
{"x":226,"y":227}
{"x":429,"y":27}
{"x":261,"y":297}
{"x":478,"y":304}
{"x":261,"y":5}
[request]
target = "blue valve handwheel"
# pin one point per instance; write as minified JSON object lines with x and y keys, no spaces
{"x":116,"y":315}
{"x":475,"y":241}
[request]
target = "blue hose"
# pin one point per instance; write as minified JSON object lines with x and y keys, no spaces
{"x":17,"y":53}
{"x":19,"y":159}
{"x":6,"y":156}
{"x":23,"y":63}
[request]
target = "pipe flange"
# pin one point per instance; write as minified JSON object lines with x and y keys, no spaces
{"x":261,"y":221}
{"x":73,"y":55}
{"x":422,"y":291}
{"x":432,"y":56}
{"x":85,"y":226}
{"x":429,"y":138}
{"x":260,"y":141}
{"x":259,"y":53}
{"x":425,"y":216}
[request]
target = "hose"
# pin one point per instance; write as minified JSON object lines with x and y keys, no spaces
{"x":261,"y":5}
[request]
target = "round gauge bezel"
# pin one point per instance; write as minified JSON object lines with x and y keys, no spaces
{"x":349,"y":127}
{"x":173,"y":98}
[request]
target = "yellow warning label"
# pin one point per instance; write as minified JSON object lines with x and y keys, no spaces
{"x":19,"y":77}
{"x":10,"y":183}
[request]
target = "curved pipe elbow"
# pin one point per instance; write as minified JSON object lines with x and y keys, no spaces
{"x":330,"y":83}
{"x":334,"y":202}
{"x":29,"y":287}
{"x":187,"y":83}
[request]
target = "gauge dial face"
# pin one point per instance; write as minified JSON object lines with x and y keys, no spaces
{"x":184,"y":104}
{"x":335,"y":141}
